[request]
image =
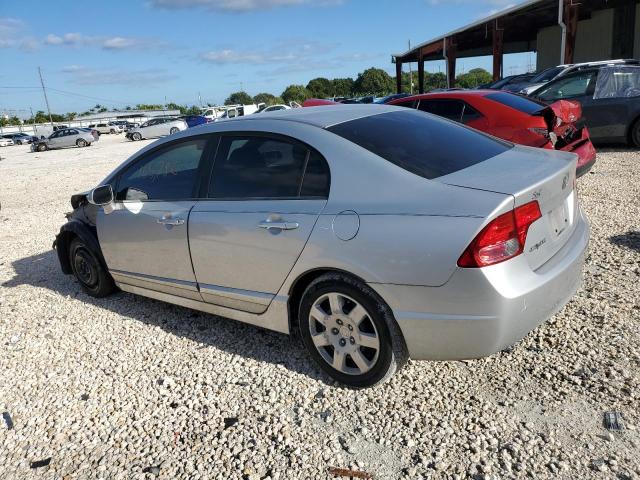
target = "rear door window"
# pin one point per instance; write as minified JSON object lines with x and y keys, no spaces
{"x":451,"y":109}
{"x":267,"y":167}
{"x":424,"y":145}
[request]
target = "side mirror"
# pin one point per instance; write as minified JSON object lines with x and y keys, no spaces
{"x":101,"y":195}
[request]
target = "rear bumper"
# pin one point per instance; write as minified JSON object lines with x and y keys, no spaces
{"x":481,"y":311}
{"x":585,"y":150}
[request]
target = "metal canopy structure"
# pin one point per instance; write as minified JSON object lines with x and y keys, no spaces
{"x":514,"y":30}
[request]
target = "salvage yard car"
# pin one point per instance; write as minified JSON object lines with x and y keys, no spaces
{"x":357,"y":226}
{"x":69,"y":137}
{"x":609,"y":98}
{"x":514,"y":118}
{"x":157,"y":127}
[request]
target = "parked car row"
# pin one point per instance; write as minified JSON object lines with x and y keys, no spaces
{"x":17,"y":138}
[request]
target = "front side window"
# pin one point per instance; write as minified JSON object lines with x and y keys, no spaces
{"x":265,"y":167}
{"x":576,"y":85}
{"x":167,"y":174}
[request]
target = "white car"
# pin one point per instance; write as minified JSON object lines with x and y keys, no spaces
{"x":5,"y":142}
{"x":157,"y":127}
{"x":106,"y":128}
{"x":274,"y":108}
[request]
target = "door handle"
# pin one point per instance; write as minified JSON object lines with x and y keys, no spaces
{"x":170,"y":221}
{"x":279,"y":225}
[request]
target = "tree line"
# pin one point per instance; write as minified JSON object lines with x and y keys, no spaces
{"x":373,"y":81}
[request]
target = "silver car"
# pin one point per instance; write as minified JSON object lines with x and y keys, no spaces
{"x":157,"y":127}
{"x":377,"y":232}
{"x":68,"y":137}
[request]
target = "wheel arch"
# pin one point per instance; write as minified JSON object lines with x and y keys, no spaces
{"x":300,"y":284}
{"x":76,"y":229}
{"x":632,"y":125}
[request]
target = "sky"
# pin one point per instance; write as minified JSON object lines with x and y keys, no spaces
{"x":124,"y":52}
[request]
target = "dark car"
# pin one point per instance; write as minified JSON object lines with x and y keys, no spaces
{"x":194,"y":120}
{"x":391,"y":97}
{"x":610,"y":99}
{"x":503,"y":83}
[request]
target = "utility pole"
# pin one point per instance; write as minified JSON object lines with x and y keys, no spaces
{"x":410,"y":73}
{"x":46,"y":100}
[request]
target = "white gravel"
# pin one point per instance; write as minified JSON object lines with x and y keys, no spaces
{"x":127,"y":387}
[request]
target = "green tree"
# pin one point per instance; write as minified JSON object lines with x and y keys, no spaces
{"x":473,"y":78}
{"x":374,"y":81}
{"x":70,"y":116}
{"x":239,"y":98}
{"x":265,"y":97}
{"x":193,"y":110}
{"x":342,"y":87}
{"x":320,"y":87}
{"x":295,"y":93}
{"x":145,"y":106}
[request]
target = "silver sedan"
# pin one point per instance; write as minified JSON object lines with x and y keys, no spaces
{"x":67,"y":137}
{"x":377,"y":233}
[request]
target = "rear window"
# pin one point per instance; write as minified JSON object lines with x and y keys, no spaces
{"x":516,"y":102}
{"x":420,"y":143}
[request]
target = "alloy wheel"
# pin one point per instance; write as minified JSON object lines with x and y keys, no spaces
{"x":343,"y":333}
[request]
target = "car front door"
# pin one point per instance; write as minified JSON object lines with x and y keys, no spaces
{"x":143,"y":233}
{"x":263,"y":199}
{"x":55,"y":140}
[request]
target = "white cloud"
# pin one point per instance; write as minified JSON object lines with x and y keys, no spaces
{"x":240,"y":5}
{"x":82,"y":75}
{"x":12,"y":35}
{"x":291,"y":51}
{"x":106,"y":43}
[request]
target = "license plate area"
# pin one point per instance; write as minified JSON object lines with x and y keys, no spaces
{"x":559,"y":220}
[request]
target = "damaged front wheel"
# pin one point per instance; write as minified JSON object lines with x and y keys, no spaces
{"x":91,"y":275}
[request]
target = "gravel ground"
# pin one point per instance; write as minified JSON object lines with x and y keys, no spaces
{"x":127,"y":387}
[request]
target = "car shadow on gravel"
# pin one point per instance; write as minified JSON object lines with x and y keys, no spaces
{"x":43,"y":271}
{"x":630,"y":240}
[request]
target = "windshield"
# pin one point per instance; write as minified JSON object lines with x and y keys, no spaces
{"x":547,"y":75}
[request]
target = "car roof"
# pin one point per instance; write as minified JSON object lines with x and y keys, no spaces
{"x":321,"y":116}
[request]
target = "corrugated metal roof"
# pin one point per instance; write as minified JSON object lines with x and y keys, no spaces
{"x":499,"y":14}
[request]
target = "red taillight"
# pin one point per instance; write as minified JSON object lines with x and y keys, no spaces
{"x":503,"y":238}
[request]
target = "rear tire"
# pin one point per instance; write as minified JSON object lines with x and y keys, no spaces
{"x":634,"y":134}
{"x":81,"y":143}
{"x":356,"y":341}
{"x":92,"y":277}
{"x":136,"y":136}
{"x":174,"y":130}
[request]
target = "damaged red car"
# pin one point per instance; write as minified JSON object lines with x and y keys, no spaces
{"x":514,"y":118}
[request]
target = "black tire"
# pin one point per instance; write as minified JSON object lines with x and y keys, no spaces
{"x":91,"y":276}
{"x":634,"y":134}
{"x":18,"y":142}
{"x":136,"y":136}
{"x":81,"y":142}
{"x":174,"y":130}
{"x":392,"y":354}
{"x":41,"y":147}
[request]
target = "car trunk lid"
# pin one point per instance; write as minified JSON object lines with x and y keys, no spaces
{"x":529,"y":174}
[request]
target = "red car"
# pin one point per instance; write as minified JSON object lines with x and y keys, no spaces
{"x":514,"y":118}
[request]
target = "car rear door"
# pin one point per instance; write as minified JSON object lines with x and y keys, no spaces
{"x":143,"y":234}
{"x":263,"y":199}
{"x":69,"y":138}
